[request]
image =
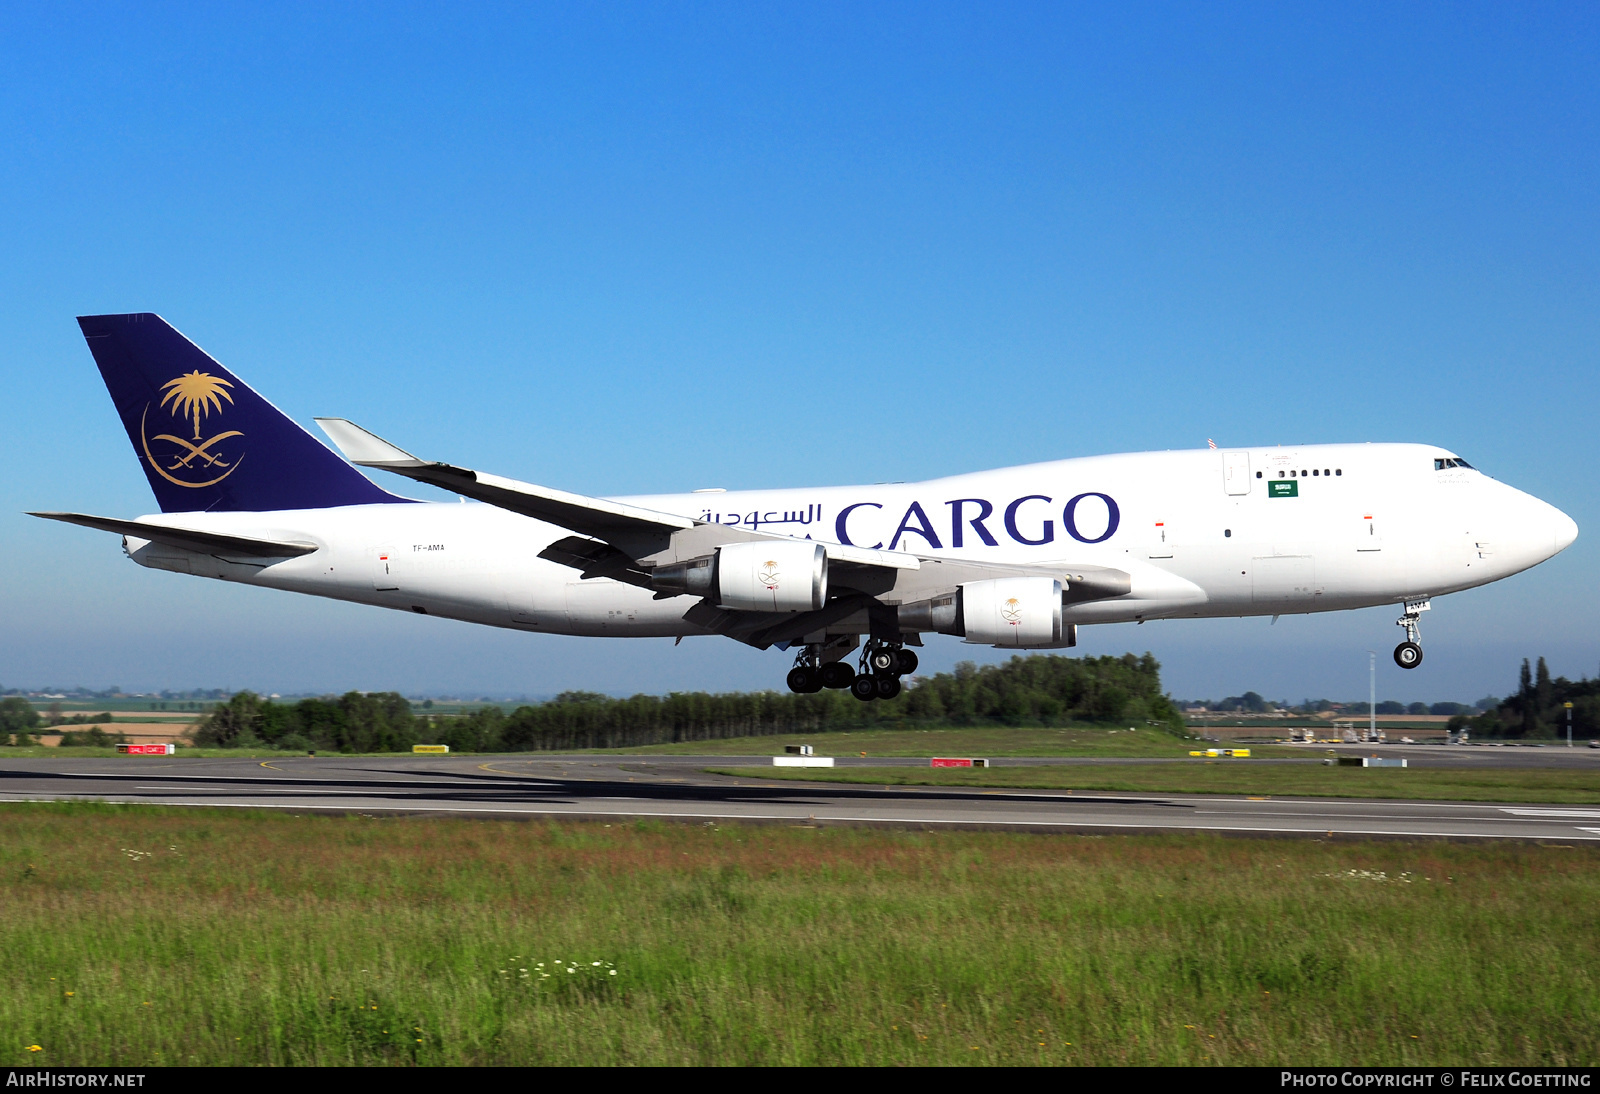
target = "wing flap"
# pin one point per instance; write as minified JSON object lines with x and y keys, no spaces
{"x":761,"y":630}
{"x":595,"y":558}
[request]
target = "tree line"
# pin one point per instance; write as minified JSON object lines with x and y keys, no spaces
{"x":1538,"y":709}
{"x":20,"y":723}
{"x":1252,"y":703}
{"x":17,"y":721}
{"x":1025,"y":691}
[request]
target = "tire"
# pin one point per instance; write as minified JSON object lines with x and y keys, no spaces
{"x":803,"y":680}
{"x":864,"y":688}
{"x":887,"y":686}
{"x":884,"y":660}
{"x":1408,"y":655}
{"x":908,"y":663}
{"x":837,"y":674}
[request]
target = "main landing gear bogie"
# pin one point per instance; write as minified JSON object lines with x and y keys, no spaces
{"x":870,"y":686}
{"x":803,"y":680}
{"x":882,"y":665}
{"x":809,"y":675}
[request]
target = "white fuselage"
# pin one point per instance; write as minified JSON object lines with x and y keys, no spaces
{"x":1203,"y":533}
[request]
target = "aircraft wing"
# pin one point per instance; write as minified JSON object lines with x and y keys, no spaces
{"x":635,"y":532}
{"x":627,"y":542}
{"x":188,"y":539}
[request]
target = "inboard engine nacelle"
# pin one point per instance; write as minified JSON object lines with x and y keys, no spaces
{"x":1022,"y":612}
{"x":753,"y":577}
{"x":1009,"y":612}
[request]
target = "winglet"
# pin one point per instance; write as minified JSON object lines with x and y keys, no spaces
{"x":365,"y":449}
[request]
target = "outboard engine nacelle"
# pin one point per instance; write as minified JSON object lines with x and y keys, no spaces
{"x":1013,"y":612}
{"x":760,"y":576}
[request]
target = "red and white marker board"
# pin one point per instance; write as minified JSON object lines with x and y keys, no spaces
{"x":147,"y":750}
{"x":953,"y":761}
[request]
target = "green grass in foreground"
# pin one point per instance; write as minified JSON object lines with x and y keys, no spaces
{"x":136,"y":936}
{"x":1239,"y":777}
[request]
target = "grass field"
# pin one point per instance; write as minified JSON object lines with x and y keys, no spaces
{"x":1239,"y":777}
{"x":57,"y":752}
{"x":136,"y":936}
{"x":974,"y":741}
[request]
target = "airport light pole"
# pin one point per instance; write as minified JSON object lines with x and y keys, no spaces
{"x":1372,"y":696}
{"x":1569,"y":723}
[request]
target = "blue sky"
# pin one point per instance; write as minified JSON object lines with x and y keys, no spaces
{"x":623,"y":249}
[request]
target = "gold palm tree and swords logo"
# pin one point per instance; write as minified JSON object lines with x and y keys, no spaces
{"x":192,"y":398}
{"x":768,"y":575}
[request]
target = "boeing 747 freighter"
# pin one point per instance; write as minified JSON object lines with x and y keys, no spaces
{"x":1017,"y":558}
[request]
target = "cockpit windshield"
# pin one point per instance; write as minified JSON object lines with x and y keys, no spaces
{"x":1450,"y":462}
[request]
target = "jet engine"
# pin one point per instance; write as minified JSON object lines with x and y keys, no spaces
{"x":760,"y":576}
{"x":1008,"y":612}
{"x":1013,"y":612}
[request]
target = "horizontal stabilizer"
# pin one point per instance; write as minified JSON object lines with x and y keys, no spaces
{"x":187,"y":539}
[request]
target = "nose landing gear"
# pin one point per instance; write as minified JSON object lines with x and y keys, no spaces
{"x":1408,"y":654}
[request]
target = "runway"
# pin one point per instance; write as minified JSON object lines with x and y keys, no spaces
{"x":677,"y":788}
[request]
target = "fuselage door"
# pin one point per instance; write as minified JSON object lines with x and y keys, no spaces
{"x":1161,"y":540}
{"x":1367,"y":537}
{"x":385,"y":570}
{"x":1236,"y":472}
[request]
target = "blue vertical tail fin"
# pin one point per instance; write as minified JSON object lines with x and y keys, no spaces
{"x":207,"y":441}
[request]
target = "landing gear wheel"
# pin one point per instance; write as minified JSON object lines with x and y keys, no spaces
{"x":884,"y":660}
{"x":864,"y":688}
{"x":837,"y":674}
{"x":803,"y":679}
{"x":1408,"y":655}
{"x":887,"y":687}
{"x":908,"y":663}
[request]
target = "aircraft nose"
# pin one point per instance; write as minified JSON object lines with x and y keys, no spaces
{"x":1566,"y":530}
